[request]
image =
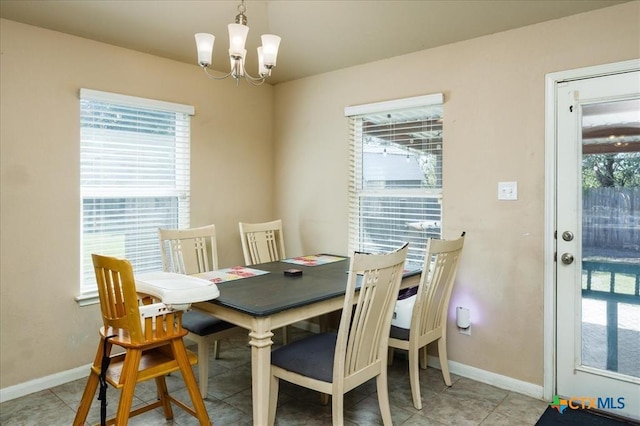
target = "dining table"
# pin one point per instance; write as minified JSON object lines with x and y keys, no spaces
{"x":268,"y":296}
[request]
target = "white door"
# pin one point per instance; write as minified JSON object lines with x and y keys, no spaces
{"x":598,"y":243}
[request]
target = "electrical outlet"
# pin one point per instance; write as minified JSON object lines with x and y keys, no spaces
{"x":508,"y":191}
{"x":466,"y":331}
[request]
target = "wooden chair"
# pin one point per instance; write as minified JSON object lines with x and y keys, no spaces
{"x":262,"y":243}
{"x":193,"y":251}
{"x":153,"y":347}
{"x":430,"y":312}
{"x":333,"y":363}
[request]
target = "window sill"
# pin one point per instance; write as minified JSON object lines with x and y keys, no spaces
{"x":88,"y":299}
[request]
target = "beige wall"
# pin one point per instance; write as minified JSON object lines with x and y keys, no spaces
{"x":493,"y":130}
{"x":43,"y":330}
{"x":494,"y":124}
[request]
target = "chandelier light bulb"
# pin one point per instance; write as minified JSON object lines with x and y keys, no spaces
{"x":237,"y":39}
{"x":262,"y":70}
{"x":270,"y":45}
{"x":204,"y":43}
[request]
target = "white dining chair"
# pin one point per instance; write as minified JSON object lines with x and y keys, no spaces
{"x":262,"y":243}
{"x":335,"y":363}
{"x":193,"y":251}
{"x":430,"y":312}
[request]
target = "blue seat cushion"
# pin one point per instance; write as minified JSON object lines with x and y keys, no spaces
{"x":311,"y":356}
{"x":399,"y":333}
{"x":203,"y":324}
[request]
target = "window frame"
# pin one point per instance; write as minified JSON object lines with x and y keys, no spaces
{"x":357,"y":191}
{"x":171,"y":188}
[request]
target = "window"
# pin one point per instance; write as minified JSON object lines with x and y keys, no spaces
{"x":134,"y":178}
{"x":395,"y":184}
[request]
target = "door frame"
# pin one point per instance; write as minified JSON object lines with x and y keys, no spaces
{"x":549,"y":295}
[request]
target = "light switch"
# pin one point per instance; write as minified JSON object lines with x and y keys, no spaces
{"x":507,"y":190}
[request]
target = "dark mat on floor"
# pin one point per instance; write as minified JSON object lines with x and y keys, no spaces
{"x":551,"y":417}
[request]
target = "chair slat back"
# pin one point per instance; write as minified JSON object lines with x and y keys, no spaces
{"x":189,"y":251}
{"x":120,"y":305}
{"x":118,"y":297}
{"x":436,"y":283}
{"x":262,"y":242}
{"x":363,"y":333}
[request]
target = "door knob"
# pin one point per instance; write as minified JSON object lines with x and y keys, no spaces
{"x":567,"y":258}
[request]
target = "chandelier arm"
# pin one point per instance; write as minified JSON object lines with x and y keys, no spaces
{"x":255,"y":81}
{"x":213,"y":77}
{"x":249,"y":77}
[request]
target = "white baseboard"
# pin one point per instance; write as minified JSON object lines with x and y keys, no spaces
{"x":497,"y":380}
{"x":36,"y":385}
{"x":493,"y":379}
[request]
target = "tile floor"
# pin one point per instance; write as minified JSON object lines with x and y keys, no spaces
{"x":228,"y":401}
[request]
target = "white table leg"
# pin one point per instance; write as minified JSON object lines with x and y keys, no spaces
{"x":260,"y":368}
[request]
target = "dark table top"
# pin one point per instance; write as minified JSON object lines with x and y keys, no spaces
{"x":266,"y":294}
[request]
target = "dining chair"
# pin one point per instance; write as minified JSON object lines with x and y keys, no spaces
{"x":262,"y":243}
{"x":193,"y":251}
{"x":335,"y":363}
{"x":150,"y":346}
{"x":430,"y":312}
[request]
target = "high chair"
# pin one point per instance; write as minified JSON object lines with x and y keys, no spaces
{"x":151,"y":337}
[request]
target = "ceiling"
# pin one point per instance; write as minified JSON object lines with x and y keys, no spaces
{"x":317,"y":36}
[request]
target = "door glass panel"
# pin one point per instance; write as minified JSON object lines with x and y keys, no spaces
{"x":611,"y":236}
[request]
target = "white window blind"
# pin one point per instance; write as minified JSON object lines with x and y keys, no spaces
{"x":395,"y":179}
{"x":134,"y":178}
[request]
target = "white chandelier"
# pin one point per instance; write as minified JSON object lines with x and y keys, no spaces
{"x":267,"y":53}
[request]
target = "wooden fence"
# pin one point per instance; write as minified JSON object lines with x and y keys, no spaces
{"x":611,"y":219}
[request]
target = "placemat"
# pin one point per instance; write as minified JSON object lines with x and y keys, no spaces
{"x":313,"y":260}
{"x":230,"y":274}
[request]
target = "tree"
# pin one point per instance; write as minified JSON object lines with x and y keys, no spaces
{"x":620,"y":169}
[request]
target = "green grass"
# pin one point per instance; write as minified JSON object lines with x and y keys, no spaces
{"x":601,"y":281}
